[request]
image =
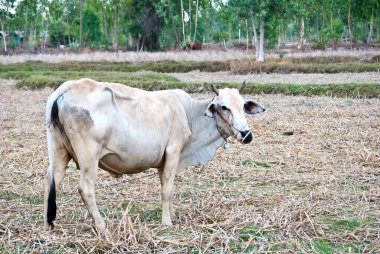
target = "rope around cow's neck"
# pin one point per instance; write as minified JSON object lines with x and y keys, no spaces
{"x":226,"y":144}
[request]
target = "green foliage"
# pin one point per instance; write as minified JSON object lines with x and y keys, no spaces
{"x":332,"y":35}
{"x":92,"y":28}
{"x":153,"y":24}
{"x":59,"y":33}
{"x":347,"y":224}
{"x":74,"y":46}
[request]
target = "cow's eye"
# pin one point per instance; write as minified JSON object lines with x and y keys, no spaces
{"x":224,"y":108}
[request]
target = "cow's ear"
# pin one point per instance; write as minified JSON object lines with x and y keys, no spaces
{"x":252,"y":107}
{"x":211,"y":109}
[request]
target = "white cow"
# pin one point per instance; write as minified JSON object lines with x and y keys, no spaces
{"x":125,"y":130}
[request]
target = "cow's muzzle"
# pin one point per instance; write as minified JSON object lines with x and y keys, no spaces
{"x":247,"y":136}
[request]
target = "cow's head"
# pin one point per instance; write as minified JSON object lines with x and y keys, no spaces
{"x":228,"y":108}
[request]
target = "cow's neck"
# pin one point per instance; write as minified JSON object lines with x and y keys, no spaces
{"x":205,"y":137}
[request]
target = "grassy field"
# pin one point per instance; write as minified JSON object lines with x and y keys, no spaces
{"x":309,"y":183}
{"x":369,"y":55}
{"x":152,"y":76}
{"x":235,"y":66}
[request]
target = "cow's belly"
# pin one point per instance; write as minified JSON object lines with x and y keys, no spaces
{"x":113,"y":164}
{"x":134,"y":160}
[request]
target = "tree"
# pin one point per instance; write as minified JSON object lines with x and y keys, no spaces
{"x":369,"y":11}
{"x":92,"y":32}
{"x":6,"y":7}
{"x":59,"y":33}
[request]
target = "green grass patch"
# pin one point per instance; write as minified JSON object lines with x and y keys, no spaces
{"x":145,"y":80}
{"x":11,"y":196}
{"x":250,"y":232}
{"x":248,"y":163}
{"x":229,"y":181}
{"x":241,"y":66}
{"x":246,"y":67}
{"x":38,"y":75}
{"x":324,"y":246}
{"x":262,"y":164}
{"x":346,"y":225}
{"x":154,"y":214}
{"x":251,"y":163}
{"x":161,"y":66}
{"x":365,"y":90}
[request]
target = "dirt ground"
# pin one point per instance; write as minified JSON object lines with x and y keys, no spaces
{"x":293,"y":78}
{"x":308,"y":183}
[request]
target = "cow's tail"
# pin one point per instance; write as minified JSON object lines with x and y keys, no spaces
{"x":52,"y":204}
{"x":55,"y":126}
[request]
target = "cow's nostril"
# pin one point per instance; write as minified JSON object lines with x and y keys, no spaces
{"x":247,"y":136}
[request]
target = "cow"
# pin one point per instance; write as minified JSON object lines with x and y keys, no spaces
{"x":126,"y":130}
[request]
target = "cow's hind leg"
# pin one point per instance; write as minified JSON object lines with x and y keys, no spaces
{"x":88,"y":160}
{"x":58,"y":160}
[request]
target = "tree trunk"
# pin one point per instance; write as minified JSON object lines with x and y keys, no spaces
{"x":104,"y":21}
{"x":115,"y":43}
{"x":229,"y":31}
{"x":280,"y":34}
{"x":189,"y":18}
{"x":183,"y":23}
{"x":246,"y":28}
{"x":151,"y":28}
{"x":349,"y":22}
{"x":254,"y":36}
{"x":323,"y":19}
{"x":370,"y":32}
{"x":196,"y":22}
{"x":261,"y":46}
{"x":3,"y":35}
{"x":302,"y":31}
{"x":331,"y":22}
{"x":80,"y":22}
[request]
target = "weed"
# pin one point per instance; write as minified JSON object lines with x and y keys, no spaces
{"x":151,"y":215}
{"x":262,"y":164}
{"x":323,"y":246}
{"x":347,"y":224}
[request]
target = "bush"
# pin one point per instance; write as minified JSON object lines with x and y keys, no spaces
{"x":59,"y":33}
{"x":74,"y":46}
{"x":335,"y":34}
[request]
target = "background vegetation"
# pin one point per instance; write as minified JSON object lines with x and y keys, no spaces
{"x":160,"y":24}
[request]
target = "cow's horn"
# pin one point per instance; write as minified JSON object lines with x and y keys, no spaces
{"x":241,"y":87}
{"x":215,"y":89}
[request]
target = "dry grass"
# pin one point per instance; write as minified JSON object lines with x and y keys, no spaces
{"x":196,"y":56}
{"x":279,"y":78}
{"x":309,"y":183}
{"x":361,"y":54}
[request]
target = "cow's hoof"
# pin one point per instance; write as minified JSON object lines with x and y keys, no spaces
{"x":167,"y":223}
{"x":100,"y":227}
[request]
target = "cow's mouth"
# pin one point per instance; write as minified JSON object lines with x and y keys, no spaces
{"x":246,"y":137}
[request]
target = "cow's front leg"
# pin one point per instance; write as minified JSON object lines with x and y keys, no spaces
{"x":171,"y":207}
{"x":167,"y":181}
{"x":88,"y":175}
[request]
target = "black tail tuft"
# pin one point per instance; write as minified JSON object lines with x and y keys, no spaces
{"x":52,"y":205}
{"x":55,"y":117}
